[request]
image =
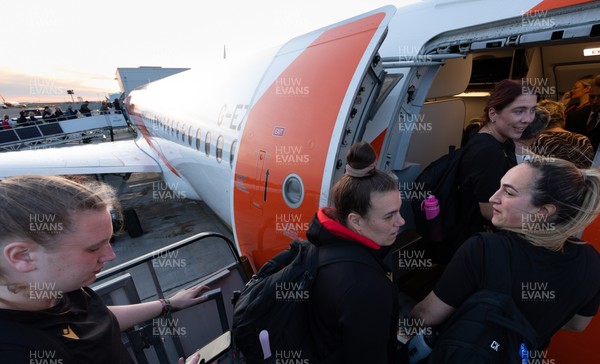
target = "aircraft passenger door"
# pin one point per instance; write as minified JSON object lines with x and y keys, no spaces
{"x":295,"y":124}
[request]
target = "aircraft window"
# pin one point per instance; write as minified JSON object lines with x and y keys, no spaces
{"x":232,"y":154}
{"x":190,"y":135}
{"x":219,"y":148}
{"x":183,"y":133}
{"x":207,"y":143}
{"x":198,"y":139}
{"x":388,"y":84}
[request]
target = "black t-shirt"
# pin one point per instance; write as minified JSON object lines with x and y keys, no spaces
{"x":594,"y":135}
{"x":482,"y":167}
{"x":548,"y":287}
{"x":81,"y":321}
{"x":576,"y":118}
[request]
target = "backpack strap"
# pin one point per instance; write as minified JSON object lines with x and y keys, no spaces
{"x":498,"y":278}
{"x":496,"y":259}
{"x":285,"y":257}
{"x":17,"y":337}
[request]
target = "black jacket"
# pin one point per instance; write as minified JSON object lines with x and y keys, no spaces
{"x":353,"y":306}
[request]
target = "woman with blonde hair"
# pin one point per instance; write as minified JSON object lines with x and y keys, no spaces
{"x":540,"y":206}
{"x":577,"y":105}
{"x":556,"y":142}
{"x":55,"y":238}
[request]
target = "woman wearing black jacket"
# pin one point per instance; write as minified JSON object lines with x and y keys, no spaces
{"x":354,"y":306}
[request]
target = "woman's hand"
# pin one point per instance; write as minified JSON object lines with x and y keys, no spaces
{"x":566,"y":98}
{"x":188,"y":297}
{"x":194,"y":359}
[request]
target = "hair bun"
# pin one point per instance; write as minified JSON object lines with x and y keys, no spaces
{"x":362,"y":172}
{"x":361,"y":160}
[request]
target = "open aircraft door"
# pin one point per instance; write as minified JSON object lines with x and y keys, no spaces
{"x":316,"y":84}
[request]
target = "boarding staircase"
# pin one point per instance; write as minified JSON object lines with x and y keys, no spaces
{"x":207,"y":258}
{"x":52,"y":134}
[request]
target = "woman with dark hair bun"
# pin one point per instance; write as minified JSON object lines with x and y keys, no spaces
{"x":354,"y":306}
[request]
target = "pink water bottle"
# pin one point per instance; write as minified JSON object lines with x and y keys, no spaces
{"x":431,"y":206}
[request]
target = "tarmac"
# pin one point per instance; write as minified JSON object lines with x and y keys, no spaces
{"x":163,"y":220}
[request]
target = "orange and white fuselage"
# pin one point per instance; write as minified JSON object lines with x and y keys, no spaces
{"x":259,"y":147}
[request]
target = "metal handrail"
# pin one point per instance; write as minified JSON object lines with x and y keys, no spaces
{"x":147,"y":259}
{"x":59,"y":138}
{"x":152,"y":255}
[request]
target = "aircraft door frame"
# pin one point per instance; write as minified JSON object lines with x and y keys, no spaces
{"x":297,"y":118}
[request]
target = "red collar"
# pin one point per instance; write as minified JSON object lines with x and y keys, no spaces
{"x":337,"y":229}
{"x":577,"y":106}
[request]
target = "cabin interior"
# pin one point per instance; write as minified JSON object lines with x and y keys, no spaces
{"x":446,"y":98}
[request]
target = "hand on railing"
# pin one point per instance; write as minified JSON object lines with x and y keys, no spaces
{"x":188,"y":297}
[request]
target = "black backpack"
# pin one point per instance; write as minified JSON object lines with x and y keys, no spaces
{"x":440,"y":178}
{"x":488,"y":327}
{"x":276,"y":300}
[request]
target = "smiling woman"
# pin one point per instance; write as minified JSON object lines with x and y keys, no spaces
{"x":554,"y":277}
{"x":491,"y":152}
{"x":547,"y":201}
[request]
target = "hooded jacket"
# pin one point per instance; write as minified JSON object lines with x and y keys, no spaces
{"x":353,"y":310}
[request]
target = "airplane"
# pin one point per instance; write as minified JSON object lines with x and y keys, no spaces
{"x":263,"y":140}
{"x":6,"y":104}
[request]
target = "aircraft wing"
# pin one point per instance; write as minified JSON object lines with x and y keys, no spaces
{"x":110,"y":157}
